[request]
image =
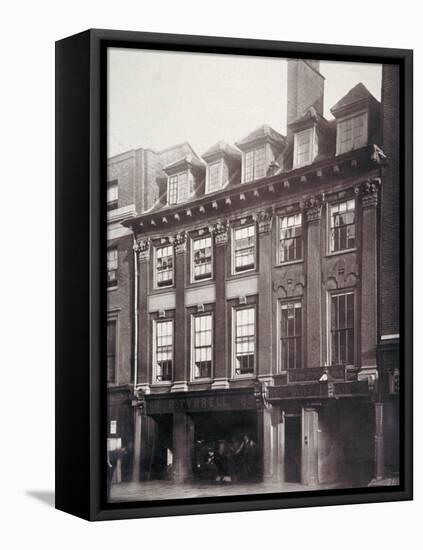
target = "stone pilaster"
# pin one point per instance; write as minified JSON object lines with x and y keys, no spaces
{"x":309,"y":445}
{"x":180,"y":372}
{"x":379,"y":442}
{"x":264,"y":308}
{"x":368,"y":192}
{"x":273,"y":444}
{"x":183,"y":443}
{"x":220,"y":232}
{"x":143,"y":250}
{"x":312,"y":212}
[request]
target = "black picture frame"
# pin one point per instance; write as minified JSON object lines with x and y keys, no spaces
{"x":80,"y":279}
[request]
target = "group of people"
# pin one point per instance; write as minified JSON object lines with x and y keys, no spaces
{"x":225,"y":462}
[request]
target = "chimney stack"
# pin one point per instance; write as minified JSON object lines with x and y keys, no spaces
{"x":305,"y":88}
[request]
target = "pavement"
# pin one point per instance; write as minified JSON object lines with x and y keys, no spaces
{"x":163,"y":490}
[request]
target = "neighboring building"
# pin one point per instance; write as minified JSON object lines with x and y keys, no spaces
{"x":135,"y":181}
{"x":254,"y":305}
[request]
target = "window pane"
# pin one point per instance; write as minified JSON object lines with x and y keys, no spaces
{"x":164,"y":266}
{"x":164,"y":350}
{"x":202,"y":346}
{"x":112,"y":266}
{"x":202,"y":258}
{"x":290,"y":238}
{"x":215,"y":180}
{"x":244,"y":244}
{"x":342,"y":233}
{"x":290,"y":335}
{"x":244,"y":340}
{"x":342,"y":328}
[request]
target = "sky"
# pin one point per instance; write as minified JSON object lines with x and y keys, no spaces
{"x":158,"y":99}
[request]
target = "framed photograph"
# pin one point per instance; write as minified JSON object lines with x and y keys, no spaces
{"x":234,"y":274}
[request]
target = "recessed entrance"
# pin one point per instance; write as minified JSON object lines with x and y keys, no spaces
{"x":293,"y":449}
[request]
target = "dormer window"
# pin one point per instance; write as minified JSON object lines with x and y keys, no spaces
{"x":352,"y":133}
{"x":214,"y":176}
{"x":177,"y":188}
{"x":254,"y":164}
{"x":304,"y":147}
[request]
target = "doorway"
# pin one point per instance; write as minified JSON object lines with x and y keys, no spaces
{"x":293,"y":449}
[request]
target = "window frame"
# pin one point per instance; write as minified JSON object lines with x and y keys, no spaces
{"x":331,"y":295}
{"x":219,"y":163}
{"x":235,"y":310}
{"x":154,"y":350}
{"x":112,"y":204}
{"x":195,"y":316}
{"x":155,"y":249}
{"x":279,"y":261}
{"x":253,"y":151}
{"x":192,"y":277}
{"x":330,"y":238}
{"x":311,"y":146}
{"x":233,"y":249}
{"x":177,"y":190}
{"x":115,"y":320}
{"x":364,"y":113}
{"x":297,"y":304}
{"x":113,"y":284}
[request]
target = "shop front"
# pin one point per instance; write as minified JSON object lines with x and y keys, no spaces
{"x":207,"y":436}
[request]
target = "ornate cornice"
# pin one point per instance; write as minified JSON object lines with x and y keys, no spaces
{"x":220,"y":231}
{"x":312,"y":208}
{"x":368,"y":191}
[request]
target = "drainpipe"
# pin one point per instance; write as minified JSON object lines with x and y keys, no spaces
{"x":136,"y":275}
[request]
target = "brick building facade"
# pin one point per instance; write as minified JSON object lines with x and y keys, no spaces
{"x":253,"y":292}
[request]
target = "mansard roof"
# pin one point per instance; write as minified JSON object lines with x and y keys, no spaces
{"x":222,"y":148}
{"x":358,"y":94}
{"x":262,"y":133}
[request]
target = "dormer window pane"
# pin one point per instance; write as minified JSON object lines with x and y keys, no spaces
{"x":178,"y":188}
{"x":215,"y":180}
{"x":352,"y":133}
{"x":303,"y":148}
{"x":254,"y":164}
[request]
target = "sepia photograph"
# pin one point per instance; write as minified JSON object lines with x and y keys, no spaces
{"x":253,"y":275}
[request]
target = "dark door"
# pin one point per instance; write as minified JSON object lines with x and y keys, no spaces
{"x":293,"y":449}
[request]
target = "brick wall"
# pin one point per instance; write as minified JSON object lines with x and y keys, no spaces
{"x":390,"y":204}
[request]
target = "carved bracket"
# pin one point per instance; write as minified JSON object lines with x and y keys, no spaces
{"x":142,"y":248}
{"x":264,"y":220}
{"x":220,"y":231}
{"x":368,"y":191}
{"x":180,"y":242}
{"x":312,"y":207}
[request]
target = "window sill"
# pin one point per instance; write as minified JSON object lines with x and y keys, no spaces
{"x":109,"y":288}
{"x":245,"y":273}
{"x":338,"y":252}
{"x":292,"y":262}
{"x":202,"y":282}
{"x":166,"y":383}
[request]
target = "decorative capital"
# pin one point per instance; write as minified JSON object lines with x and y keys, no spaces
{"x":312,"y":208}
{"x":142,"y":248}
{"x":220,"y":231}
{"x":368,"y":192}
{"x":180,"y":242}
{"x":264,"y":220}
